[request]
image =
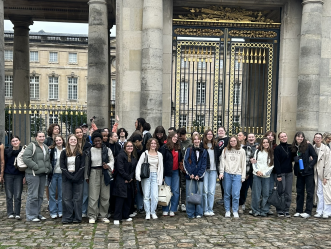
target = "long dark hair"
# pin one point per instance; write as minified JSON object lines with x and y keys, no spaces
{"x":160,"y":129}
{"x":140,"y":123}
{"x":270,"y":150}
{"x":273,"y":134}
{"x":170,"y":144}
{"x":205,"y":140}
{"x":303,"y":146}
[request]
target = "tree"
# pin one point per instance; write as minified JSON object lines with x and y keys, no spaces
{"x":73,"y":119}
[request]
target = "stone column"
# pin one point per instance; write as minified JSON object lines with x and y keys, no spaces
{"x":309,"y":68}
{"x":21,"y":77}
{"x":152,"y":60}
{"x":2,"y":76}
{"x":98,"y":65}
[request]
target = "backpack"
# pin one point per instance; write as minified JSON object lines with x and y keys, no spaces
{"x":19,"y":164}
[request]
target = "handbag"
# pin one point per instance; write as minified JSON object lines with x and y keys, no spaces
{"x":194,"y":198}
{"x":144,"y":173}
{"x":277,"y":197}
{"x":164,"y":195}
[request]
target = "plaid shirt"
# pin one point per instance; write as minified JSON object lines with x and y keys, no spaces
{"x":249,"y":154}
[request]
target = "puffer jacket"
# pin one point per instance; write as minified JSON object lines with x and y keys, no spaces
{"x":37,"y":162}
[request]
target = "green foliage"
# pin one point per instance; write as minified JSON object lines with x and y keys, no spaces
{"x":72,"y":119}
{"x":37,"y":124}
{"x":197,"y":126}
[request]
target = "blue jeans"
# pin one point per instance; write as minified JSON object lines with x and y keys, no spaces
{"x":13,"y":187}
{"x":260,"y":195}
{"x":35,"y":196}
{"x":209,"y":185}
{"x":173,"y":182}
{"x":151,"y":193}
{"x":232,"y":185}
{"x":139,"y":197}
{"x":55,"y":207}
{"x":85,"y":197}
{"x":193,"y":187}
{"x":271,"y":182}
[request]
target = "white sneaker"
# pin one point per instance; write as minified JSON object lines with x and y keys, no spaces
{"x":84,"y":215}
{"x":148,"y":217}
{"x":165,"y":213}
{"x":296,"y":215}
{"x":130,"y":219}
{"x":11,"y":216}
{"x":133,"y":215}
{"x":35,"y":220}
{"x":236,"y":215}
{"x":91,"y":221}
{"x":42,"y":217}
{"x":53,"y":216}
{"x":325,"y":216}
{"x":198,"y":216}
{"x":305,"y":215}
{"x":211,"y":213}
{"x":183,"y":208}
{"x":227,"y":214}
{"x":104,"y":220}
{"x":206,"y":213}
{"x":60,"y":215}
{"x":116,"y":222}
{"x":17,"y":217}
{"x":172,"y":214}
{"x":317,"y":215}
{"x":154,"y":216}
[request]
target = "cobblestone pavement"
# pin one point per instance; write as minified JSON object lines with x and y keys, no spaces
{"x":167,"y":232}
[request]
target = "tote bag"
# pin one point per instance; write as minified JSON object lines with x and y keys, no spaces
{"x":164,"y":195}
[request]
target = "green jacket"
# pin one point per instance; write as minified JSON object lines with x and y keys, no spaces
{"x":37,"y":162}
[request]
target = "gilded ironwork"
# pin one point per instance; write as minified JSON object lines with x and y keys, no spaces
{"x":198,"y":32}
{"x":252,"y":33}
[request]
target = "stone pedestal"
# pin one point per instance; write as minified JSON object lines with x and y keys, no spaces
{"x":21,"y":78}
{"x":309,"y":68}
{"x":2,"y":76}
{"x":98,"y":64}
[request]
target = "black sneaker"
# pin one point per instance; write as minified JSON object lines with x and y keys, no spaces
{"x":280,"y":214}
{"x":287,"y":215}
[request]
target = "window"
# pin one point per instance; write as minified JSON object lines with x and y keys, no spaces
{"x":201,"y":120}
{"x":220,"y":93}
{"x":183,"y":92}
{"x":201,"y":65}
{"x":53,"y":118}
{"x":219,"y":121}
{"x":236,"y":96}
{"x":182,"y":120}
{"x":8,"y":86}
{"x":113,"y":89}
{"x":72,"y":58}
{"x":8,"y":55}
{"x":34,"y":57}
{"x":184,"y":64}
{"x":34,"y":87}
{"x":221,"y":63}
{"x":201,"y":92}
{"x":236,"y":64}
{"x":53,"y":91}
{"x":72,"y":88}
{"x":53,"y":57}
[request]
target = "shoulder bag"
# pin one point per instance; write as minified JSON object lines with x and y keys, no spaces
{"x":164,"y":195}
{"x":194,"y":198}
{"x":144,"y":173}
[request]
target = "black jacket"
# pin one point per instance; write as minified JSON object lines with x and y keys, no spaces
{"x":283,"y":159}
{"x":307,"y":163}
{"x":168,"y":160}
{"x":10,"y":156}
{"x":88,"y":161}
{"x":115,"y":148}
{"x":78,"y":175}
{"x":124,"y":171}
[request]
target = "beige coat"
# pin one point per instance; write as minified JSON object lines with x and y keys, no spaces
{"x":322,"y":169}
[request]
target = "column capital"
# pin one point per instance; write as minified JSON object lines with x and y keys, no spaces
{"x":312,"y":1}
{"x":22,"y":22}
{"x":97,"y":2}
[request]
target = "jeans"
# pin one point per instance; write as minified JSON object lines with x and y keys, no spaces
{"x":35,"y":196}
{"x":209,"y":185}
{"x":193,"y":186}
{"x":55,"y":206}
{"x":322,"y":207}
{"x":72,"y":201}
{"x":287,"y":179}
{"x":271,"y":182}
{"x":151,"y":193}
{"x":13,"y":188}
{"x":182,"y":187}
{"x":139,"y":197}
{"x":85,"y":197}
{"x":260,"y":195}
{"x":309,"y":183}
{"x":232,"y":185}
{"x":244,"y":189}
{"x":173,"y":182}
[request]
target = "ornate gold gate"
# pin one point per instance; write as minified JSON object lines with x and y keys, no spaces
{"x":225,"y":71}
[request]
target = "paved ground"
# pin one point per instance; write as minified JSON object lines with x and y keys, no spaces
{"x":166,"y":232}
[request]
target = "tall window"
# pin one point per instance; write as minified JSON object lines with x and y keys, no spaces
{"x":73,"y":58}
{"x":183,"y":92}
{"x":53,"y":88}
{"x":8,"y":55}
{"x":8,"y":86}
{"x":72,"y":88}
{"x":201,"y":92}
{"x":201,"y":120}
{"x":113,"y":89}
{"x":34,"y":87}
{"x":182,"y":120}
{"x":201,"y":65}
{"x":221,"y":63}
{"x":53,"y":118}
{"x":53,"y":57}
{"x":34,"y":57}
{"x":184,"y":63}
{"x":236,"y":96}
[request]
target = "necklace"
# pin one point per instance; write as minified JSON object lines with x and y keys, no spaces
{"x":286,"y":151}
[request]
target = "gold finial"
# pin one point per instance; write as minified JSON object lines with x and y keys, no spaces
{"x":24,"y":107}
{"x":239,"y":56}
{"x":81,"y":110}
{"x":66,"y":109}
{"x":247,"y":55}
{"x":260,"y":54}
{"x":263,"y":56}
{"x":9,"y":108}
{"x":19,"y":108}
{"x":30,"y":107}
{"x":255,"y":61}
{"x":251,"y":61}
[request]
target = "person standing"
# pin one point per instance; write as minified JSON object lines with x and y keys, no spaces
{"x":13,"y":179}
{"x":233,"y":170}
{"x":53,"y":130}
{"x":301,"y":150}
{"x":36,"y":158}
{"x":160,"y":135}
{"x":72,"y":168}
{"x":150,"y":184}
{"x":123,"y":135}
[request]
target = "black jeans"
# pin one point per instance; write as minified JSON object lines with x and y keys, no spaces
{"x":244,"y":189}
{"x":309,"y":183}
{"x":13,"y":187}
{"x":72,"y":201}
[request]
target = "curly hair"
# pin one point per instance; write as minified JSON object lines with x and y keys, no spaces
{"x":51,"y":128}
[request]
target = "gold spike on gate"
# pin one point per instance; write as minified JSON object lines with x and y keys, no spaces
{"x":255,"y":61}
{"x":30,"y":107}
{"x":263,"y":56}
{"x":260,"y":54}
{"x":247,"y":55}
{"x":24,"y":107}
{"x":9,"y":109}
{"x":251,"y":61}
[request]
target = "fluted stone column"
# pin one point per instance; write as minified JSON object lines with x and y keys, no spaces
{"x":152,"y":58}
{"x":98,"y":65}
{"x":309,"y":68}
{"x":21,"y":77}
{"x":2,"y":76}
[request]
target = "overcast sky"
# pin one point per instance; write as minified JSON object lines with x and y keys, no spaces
{"x":58,"y":27}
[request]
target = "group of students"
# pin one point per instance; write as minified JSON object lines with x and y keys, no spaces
{"x":99,"y":175}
